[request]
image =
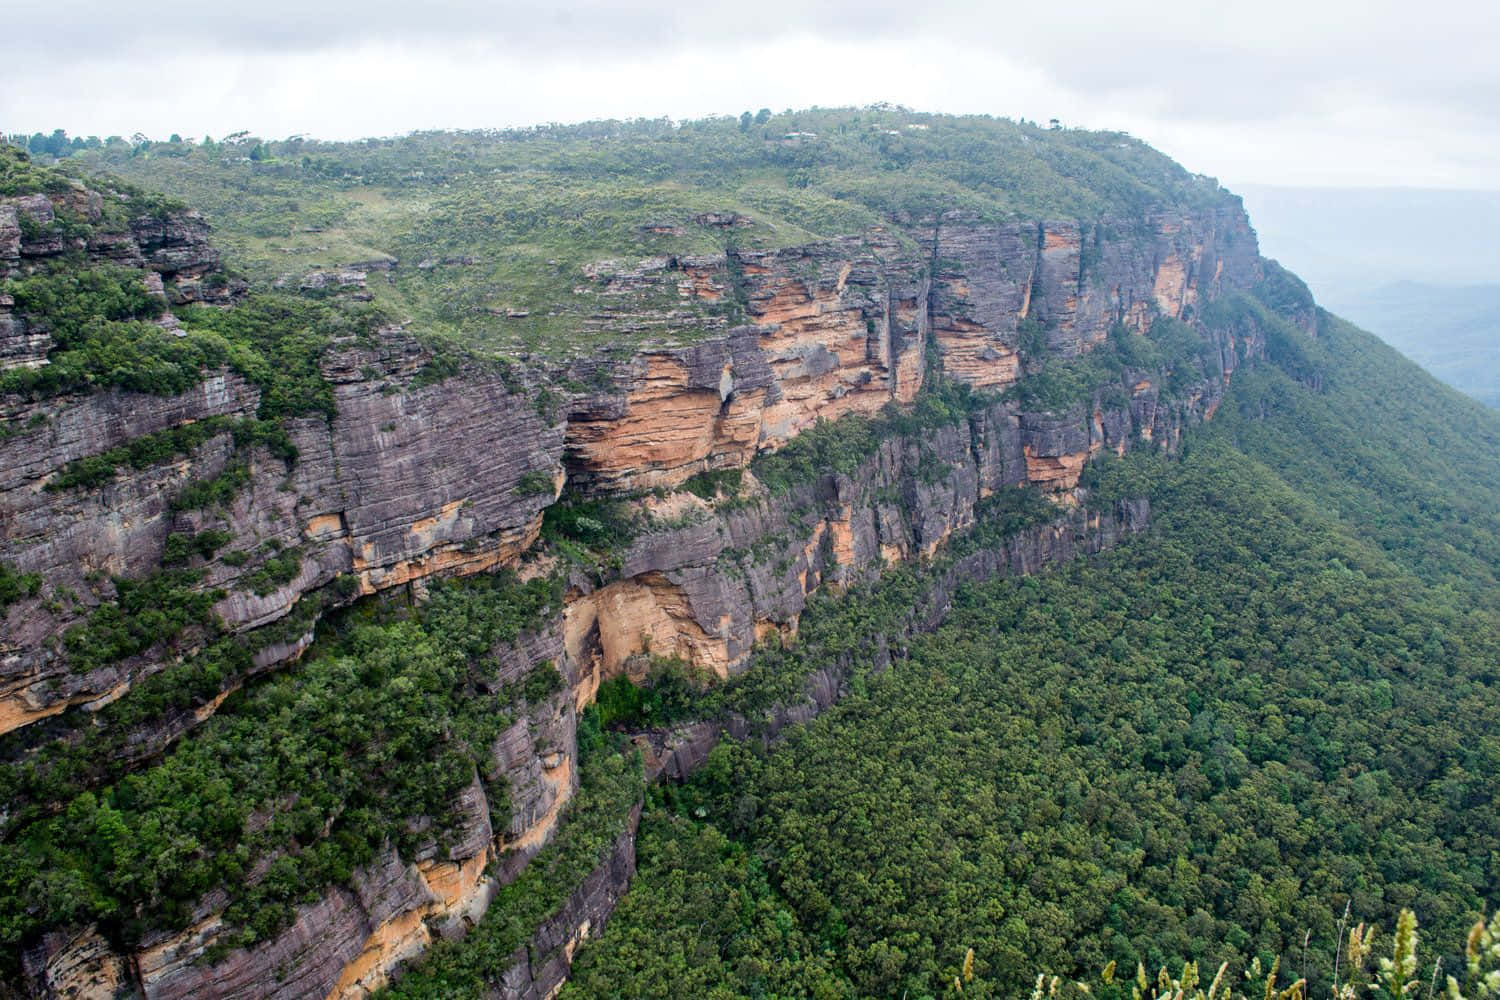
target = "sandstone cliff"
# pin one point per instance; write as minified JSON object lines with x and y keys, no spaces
{"x":414,"y":479}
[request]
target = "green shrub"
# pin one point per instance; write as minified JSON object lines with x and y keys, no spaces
{"x":216,"y":491}
{"x":145,"y":612}
{"x":542,"y":682}
{"x":1031,"y":339}
{"x":163,"y":446}
{"x":534,"y":483}
{"x":604,"y":525}
{"x":182,"y":546}
{"x":279,"y":341}
{"x":15,"y":586}
{"x":715,"y":482}
{"x":276,"y":571}
{"x":840,"y":446}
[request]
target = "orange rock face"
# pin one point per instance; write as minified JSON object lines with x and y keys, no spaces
{"x":976,"y":355}
{"x":1055,"y":472}
{"x":668,"y":432}
{"x":829,"y":333}
{"x":403,"y":936}
{"x":824,"y":359}
{"x":450,"y":559}
{"x":645,"y":614}
{"x":1172,"y":290}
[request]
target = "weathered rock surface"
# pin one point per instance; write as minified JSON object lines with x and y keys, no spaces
{"x":404,"y":484}
{"x":1076,"y":280}
{"x":413,"y":480}
{"x":540,"y":967}
{"x":834,"y":328}
{"x":708,"y":588}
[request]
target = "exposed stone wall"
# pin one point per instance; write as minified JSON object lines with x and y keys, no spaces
{"x":833,"y":328}
{"x":1077,"y":280}
{"x":412,"y":481}
{"x":405,"y":483}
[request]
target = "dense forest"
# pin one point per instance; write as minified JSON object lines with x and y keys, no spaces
{"x":1212,"y":745}
{"x":1207,"y":743}
{"x":1223,"y":740}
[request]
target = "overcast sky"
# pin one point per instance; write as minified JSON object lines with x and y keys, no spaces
{"x":1313,"y":92}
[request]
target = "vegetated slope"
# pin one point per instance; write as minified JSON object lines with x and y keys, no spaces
{"x":1203,"y":744}
{"x":175,"y":822}
{"x":197,"y":488}
{"x":496,"y":238}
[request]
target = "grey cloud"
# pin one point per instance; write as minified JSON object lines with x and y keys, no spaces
{"x":1273,"y":67}
{"x":1207,"y":60}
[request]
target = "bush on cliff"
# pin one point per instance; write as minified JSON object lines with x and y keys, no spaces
{"x":303,"y":777}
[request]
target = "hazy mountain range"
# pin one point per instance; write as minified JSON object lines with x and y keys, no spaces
{"x":1418,"y":267}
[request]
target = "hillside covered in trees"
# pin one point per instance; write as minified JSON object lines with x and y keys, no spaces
{"x":1278,"y":702}
{"x":834,"y":554}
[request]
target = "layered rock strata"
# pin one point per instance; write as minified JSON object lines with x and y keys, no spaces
{"x":833,"y":328}
{"x":539,"y":968}
{"x":404,"y":483}
{"x":1075,"y":281}
{"x":686,"y":589}
{"x":407,"y":483}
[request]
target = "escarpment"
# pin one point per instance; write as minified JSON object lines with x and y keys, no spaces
{"x":832,"y":329}
{"x":999,"y":291}
{"x":942,"y":343}
{"x":402,"y":484}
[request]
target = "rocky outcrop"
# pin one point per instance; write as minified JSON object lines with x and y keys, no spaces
{"x":834,"y":328}
{"x":172,"y":249}
{"x":539,"y":967}
{"x":708,"y":587}
{"x":174,"y":244}
{"x":413,"y":479}
{"x":403,"y":484}
{"x":1075,"y":281}
{"x":21,"y":346}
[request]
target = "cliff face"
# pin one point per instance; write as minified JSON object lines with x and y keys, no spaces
{"x":1075,"y":280}
{"x":412,"y":480}
{"x":833,"y":328}
{"x":404,"y":483}
{"x":538,"y":969}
